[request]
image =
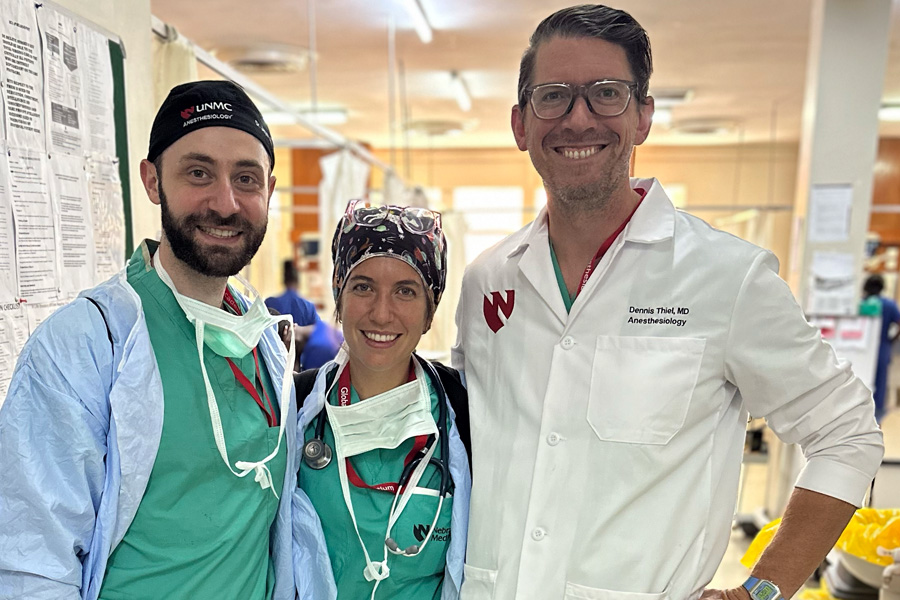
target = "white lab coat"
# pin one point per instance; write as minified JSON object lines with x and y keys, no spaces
{"x":607,"y":442}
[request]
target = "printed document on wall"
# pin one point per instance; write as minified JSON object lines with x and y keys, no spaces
{"x":829,"y":213}
{"x":22,"y":75}
{"x":831,"y":290}
{"x":9,"y":288}
{"x":35,"y":226}
{"x":97,"y":88}
{"x":13,"y":334}
{"x":108,"y":215}
{"x":71,"y":201}
{"x":38,"y":313}
{"x":62,"y":82}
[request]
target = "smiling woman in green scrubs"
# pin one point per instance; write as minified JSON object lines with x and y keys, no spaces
{"x":384,"y":465}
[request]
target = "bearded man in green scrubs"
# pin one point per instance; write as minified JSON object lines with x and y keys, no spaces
{"x":146,"y":435}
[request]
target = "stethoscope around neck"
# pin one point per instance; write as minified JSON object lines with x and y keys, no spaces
{"x":317,"y":455}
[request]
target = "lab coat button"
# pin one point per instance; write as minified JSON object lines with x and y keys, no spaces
{"x":553,"y":439}
{"x":568,"y":342}
{"x":538,"y":534}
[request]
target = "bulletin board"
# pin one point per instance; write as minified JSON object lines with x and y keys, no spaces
{"x":64,"y":214}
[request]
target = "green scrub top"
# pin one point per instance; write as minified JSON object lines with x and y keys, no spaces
{"x":561,"y":282}
{"x":419,"y":577}
{"x":200,"y":532}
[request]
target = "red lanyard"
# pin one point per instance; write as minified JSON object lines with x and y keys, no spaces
{"x":271,"y":417}
{"x":606,"y":244}
{"x":418,"y":444}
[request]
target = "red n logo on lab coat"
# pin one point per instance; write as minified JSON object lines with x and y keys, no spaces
{"x":494,"y":305}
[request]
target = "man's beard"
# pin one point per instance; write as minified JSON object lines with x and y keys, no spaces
{"x":591,"y":197}
{"x":212,"y":261}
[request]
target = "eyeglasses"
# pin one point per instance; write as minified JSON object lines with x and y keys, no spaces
{"x":414,"y":219}
{"x":607,"y":98}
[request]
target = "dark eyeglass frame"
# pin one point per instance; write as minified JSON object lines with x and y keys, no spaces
{"x":581,"y":91}
{"x":409,"y":216}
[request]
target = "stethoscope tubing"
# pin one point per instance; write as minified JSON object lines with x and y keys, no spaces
{"x":317,"y":454}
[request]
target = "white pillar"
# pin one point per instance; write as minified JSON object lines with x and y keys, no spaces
{"x":839,"y":140}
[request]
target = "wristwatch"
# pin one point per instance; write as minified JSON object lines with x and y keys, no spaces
{"x":760,"y":589}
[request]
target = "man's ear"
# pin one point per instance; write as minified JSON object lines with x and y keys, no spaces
{"x":517,"y":121}
{"x":645,"y":120}
{"x":150,"y":178}
{"x":271,"y":188}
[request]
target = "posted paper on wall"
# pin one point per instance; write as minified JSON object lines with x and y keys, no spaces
{"x":13,"y":334}
{"x":35,"y":226}
{"x":22,"y":75}
{"x":71,"y":201}
{"x":9,"y":287}
{"x":108,"y":216}
{"x":38,"y":313}
{"x":62,"y":82}
{"x":97,"y":100}
{"x":830,"y":207}
{"x":831,"y":290}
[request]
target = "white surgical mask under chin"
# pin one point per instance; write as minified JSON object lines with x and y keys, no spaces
{"x":237,"y":335}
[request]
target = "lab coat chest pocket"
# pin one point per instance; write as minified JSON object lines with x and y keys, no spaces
{"x":641,"y":387}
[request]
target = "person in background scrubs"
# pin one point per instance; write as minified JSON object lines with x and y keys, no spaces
{"x":612,"y":351}
{"x":290,"y":302}
{"x":318,"y":342}
{"x":378,"y":408}
{"x":146,"y":445}
{"x":890,"y":318}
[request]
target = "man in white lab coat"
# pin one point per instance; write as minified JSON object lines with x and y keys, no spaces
{"x":613,"y":349}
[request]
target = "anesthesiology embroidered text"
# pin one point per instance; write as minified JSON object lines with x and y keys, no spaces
{"x":658,"y":315}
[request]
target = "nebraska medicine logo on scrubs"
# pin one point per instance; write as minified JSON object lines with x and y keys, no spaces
{"x":440,"y":534}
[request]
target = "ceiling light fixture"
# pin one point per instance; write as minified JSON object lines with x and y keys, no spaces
{"x":420,"y":21}
{"x":435,"y":127}
{"x":460,"y":92}
{"x":265,"y":58}
{"x":700,"y":127}
{"x":322,"y":116}
{"x":889,"y":112}
{"x":662,"y":116}
{"x":669,"y":97}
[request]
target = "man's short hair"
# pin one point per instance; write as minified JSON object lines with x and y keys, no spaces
{"x":290,"y":274}
{"x":874,"y":285}
{"x":593,"y":21}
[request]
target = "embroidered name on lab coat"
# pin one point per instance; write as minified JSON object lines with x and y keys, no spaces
{"x":658,"y":315}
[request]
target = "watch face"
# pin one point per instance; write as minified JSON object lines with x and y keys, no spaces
{"x":765,"y":591}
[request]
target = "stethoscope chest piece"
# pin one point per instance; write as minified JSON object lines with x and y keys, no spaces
{"x":316,"y":454}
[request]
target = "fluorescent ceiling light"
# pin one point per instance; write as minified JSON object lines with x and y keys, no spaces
{"x":889,"y":112}
{"x":704,"y":127}
{"x":460,"y":92}
{"x":662,"y":115}
{"x":668,"y":97}
{"x":435,"y":127}
{"x":420,"y":22}
{"x":323,"y":116}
